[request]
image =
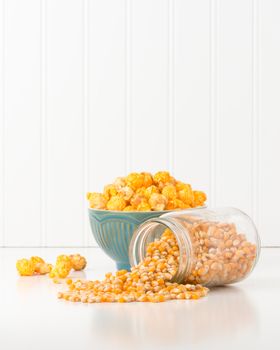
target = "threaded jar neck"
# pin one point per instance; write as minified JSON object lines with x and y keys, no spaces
{"x":152,"y":229}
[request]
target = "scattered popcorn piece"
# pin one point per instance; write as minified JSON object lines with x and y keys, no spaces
{"x":34,"y":266}
{"x":64,"y":263}
{"x":78,"y":262}
{"x":25,"y":267}
{"x":44,"y":268}
{"x":37,"y":262}
{"x":62,"y":267}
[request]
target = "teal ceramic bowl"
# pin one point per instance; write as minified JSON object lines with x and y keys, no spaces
{"x":113,"y":231}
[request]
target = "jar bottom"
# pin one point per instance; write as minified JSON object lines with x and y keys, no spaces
{"x":221,"y":254}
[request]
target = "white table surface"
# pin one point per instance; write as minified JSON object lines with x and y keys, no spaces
{"x":243,"y":316}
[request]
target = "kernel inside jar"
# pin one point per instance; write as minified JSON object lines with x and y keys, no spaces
{"x":146,"y":192}
{"x":220,"y":253}
{"x":149,"y":281}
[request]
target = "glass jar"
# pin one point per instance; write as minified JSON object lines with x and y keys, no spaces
{"x":217,"y":246}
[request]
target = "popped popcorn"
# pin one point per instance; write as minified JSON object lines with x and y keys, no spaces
{"x":25,"y":267}
{"x":144,"y":192}
{"x":78,"y":262}
{"x":64,"y":264}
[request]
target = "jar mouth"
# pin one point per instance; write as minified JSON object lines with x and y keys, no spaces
{"x":152,"y":229}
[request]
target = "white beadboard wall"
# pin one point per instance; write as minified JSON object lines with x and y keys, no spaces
{"x":93,"y":89}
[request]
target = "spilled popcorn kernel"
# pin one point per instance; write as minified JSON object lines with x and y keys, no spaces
{"x":149,"y":281}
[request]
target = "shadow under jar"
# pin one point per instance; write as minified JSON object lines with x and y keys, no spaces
{"x":217,"y":246}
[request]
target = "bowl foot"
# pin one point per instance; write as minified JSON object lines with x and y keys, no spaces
{"x":123,"y":265}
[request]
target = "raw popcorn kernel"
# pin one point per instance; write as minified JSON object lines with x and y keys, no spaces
{"x":149,"y":281}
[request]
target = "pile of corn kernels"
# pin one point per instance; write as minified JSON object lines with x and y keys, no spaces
{"x":146,"y":192}
{"x":149,"y":281}
{"x":64,"y":264}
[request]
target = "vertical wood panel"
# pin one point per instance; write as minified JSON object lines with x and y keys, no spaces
{"x":234,"y":115}
{"x":2,"y":121}
{"x":269,"y":121}
{"x":149,"y":85}
{"x":22,"y":122}
{"x":64,"y":122}
{"x":255,"y":112}
{"x":106,"y":92}
{"x":86,"y":18}
{"x":171,"y":83}
{"x":43,"y":154}
{"x":192,"y":79}
{"x":127,"y":72}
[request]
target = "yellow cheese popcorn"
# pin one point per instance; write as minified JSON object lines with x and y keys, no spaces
{"x":145,"y":192}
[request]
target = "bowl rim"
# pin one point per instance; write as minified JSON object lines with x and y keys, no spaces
{"x":141,"y":212}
